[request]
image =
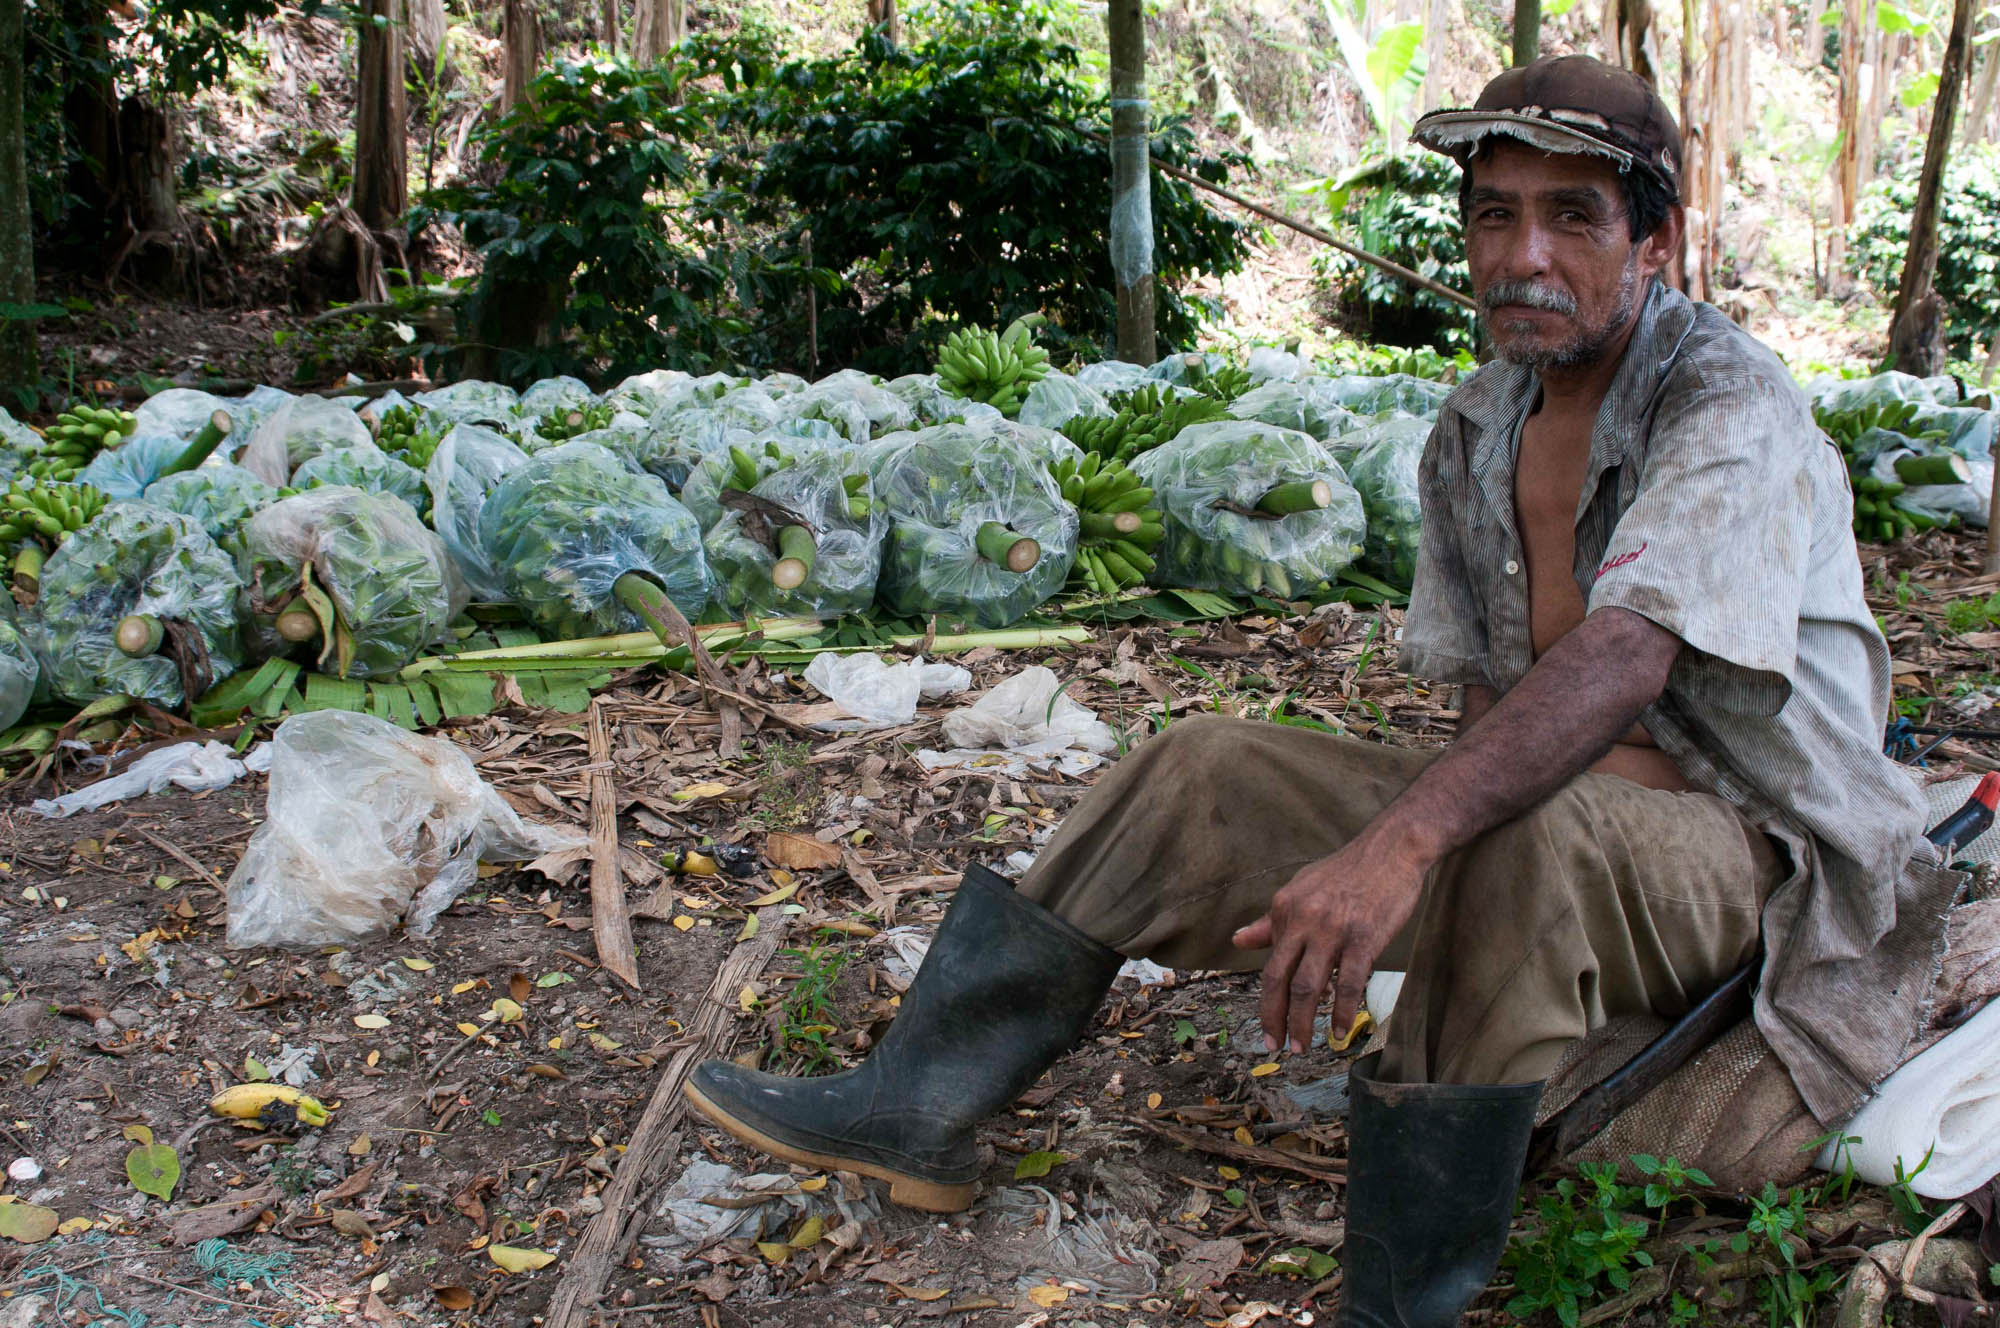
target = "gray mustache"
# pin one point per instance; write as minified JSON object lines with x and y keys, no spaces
{"x":1529,"y":294}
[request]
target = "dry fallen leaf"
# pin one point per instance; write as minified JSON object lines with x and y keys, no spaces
{"x":510,"y":1012}
{"x":1259,"y":1071}
{"x":800,"y":852}
{"x":517,"y":1260}
{"x":467,"y":1029}
{"x":138,"y":1134}
{"x":459,"y":989}
{"x":360,"y":1146}
{"x":30,"y":1224}
{"x":1153,"y":1101}
{"x":371,"y":1021}
{"x":683,"y":922}
{"x":418,"y":965}
{"x":350,"y":1223}
{"x":920,"y":1292}
{"x":520,"y":988}
{"x":74,"y":1226}
{"x":706,"y":789}
{"x":453,"y":1297}
{"x":1045,"y":1296}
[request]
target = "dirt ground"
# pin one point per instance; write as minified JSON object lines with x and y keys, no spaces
{"x":484,"y":1081}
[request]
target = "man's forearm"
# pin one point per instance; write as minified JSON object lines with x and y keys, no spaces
{"x":1562,"y":716}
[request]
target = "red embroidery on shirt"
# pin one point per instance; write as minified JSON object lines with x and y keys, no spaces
{"x":1620,"y":561}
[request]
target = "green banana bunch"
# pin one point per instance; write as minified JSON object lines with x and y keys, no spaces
{"x":1119,"y":525}
{"x":403,"y":432}
{"x":855,"y":487}
{"x":996,"y":369}
{"x":1146,"y":418}
{"x":36,"y":509}
{"x":559,"y":426}
{"x":81,"y":432}
{"x":745,"y":470}
{"x":1877,"y":514}
{"x":1225,"y":384}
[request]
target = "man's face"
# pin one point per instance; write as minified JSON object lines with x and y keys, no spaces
{"x":1554,"y":266}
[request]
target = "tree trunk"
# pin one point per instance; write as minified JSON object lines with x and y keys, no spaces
{"x":1917,"y":331}
{"x":1976,"y":124}
{"x":424,"y":33}
{"x":521,"y":51}
{"x":1635,"y":39}
{"x":18,"y":368}
{"x":1527,"y":31}
{"x":882,"y":14}
{"x":381,"y":118}
{"x":657,"y":27}
{"x":607,"y":25}
{"x":1847,"y":163}
{"x":1131,"y":182}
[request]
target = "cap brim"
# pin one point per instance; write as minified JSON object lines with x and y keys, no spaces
{"x":1456,"y":133}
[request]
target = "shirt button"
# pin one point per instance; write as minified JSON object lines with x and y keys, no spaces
{"x":1513,"y":568}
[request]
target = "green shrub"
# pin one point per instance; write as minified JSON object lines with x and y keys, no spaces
{"x":1404,"y":208}
{"x":959,"y":178}
{"x":1968,"y":271}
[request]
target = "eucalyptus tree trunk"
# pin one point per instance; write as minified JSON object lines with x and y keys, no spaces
{"x":1847,"y":163}
{"x":1977,"y":126}
{"x":381,"y":118}
{"x":657,"y":27}
{"x":1527,"y":31}
{"x":1131,"y":182}
{"x":1916,"y":332}
{"x":882,"y":14}
{"x":607,"y":25}
{"x":18,"y":368}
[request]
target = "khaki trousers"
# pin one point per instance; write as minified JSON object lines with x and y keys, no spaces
{"x":1608,"y":899}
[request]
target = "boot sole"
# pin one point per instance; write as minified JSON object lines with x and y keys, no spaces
{"x":910,"y":1191}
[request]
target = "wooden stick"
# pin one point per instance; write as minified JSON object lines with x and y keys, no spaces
{"x":589,"y":1268}
{"x":610,"y":924}
{"x":1388,"y":265}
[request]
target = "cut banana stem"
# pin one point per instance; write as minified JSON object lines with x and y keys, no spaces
{"x":796,"y":552}
{"x":644,"y":596}
{"x":139,"y":634}
{"x":1938,"y":468}
{"x":1301,"y":496}
{"x":296,"y":625}
{"x":997,"y":544}
{"x":1109,"y":525}
{"x":28,"y":569}
{"x":204,"y":444}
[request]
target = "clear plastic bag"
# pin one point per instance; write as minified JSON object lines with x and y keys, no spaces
{"x":679,"y":439}
{"x":552,"y":394}
{"x":1971,"y":502}
{"x":1058,"y":399}
{"x":563,"y":528}
{"x":1238,"y":463}
{"x":854,"y":401}
{"x":364,"y":468}
{"x":702,"y":493}
{"x":1110,"y":377}
{"x":471,"y":402}
{"x":1181,"y":367}
{"x":1376,"y":394}
{"x":468,"y":465}
{"x":18,"y":673}
{"x":366,"y":824}
{"x":16,"y":436}
{"x":941,"y":489}
{"x":127,"y":470}
{"x":835,"y":499}
{"x":296,"y":432}
{"x":137,"y":559}
{"x":1268,"y":364}
{"x":1309,"y":405}
{"x":1384,"y":472}
{"x":644,"y":393}
{"x":222,"y":499}
{"x":877,"y":694}
{"x":389,"y":587}
{"x":184,"y":412}
{"x":931,"y":404}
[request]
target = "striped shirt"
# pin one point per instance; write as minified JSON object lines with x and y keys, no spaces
{"x":1713,"y":506}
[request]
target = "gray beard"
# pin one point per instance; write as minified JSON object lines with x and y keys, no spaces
{"x":1584,"y":346}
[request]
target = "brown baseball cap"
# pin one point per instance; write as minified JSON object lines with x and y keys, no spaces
{"x":1566,"y":103}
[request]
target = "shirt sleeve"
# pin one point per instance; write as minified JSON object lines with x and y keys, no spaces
{"x":1444,"y":633}
{"x":1715,"y":545}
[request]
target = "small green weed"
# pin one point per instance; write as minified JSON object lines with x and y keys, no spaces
{"x":1585,"y":1244}
{"x":808,"y":1019}
{"x":291,"y":1173}
{"x":788,"y":791}
{"x":1972,"y":615}
{"x":1788,"y":1295}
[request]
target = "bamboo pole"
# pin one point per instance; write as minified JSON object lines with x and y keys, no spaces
{"x":1131,"y":183}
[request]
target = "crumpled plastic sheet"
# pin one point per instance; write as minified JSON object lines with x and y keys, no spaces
{"x":471,"y":400}
{"x":1179,"y":367}
{"x":184,"y":412}
{"x":938,"y":489}
{"x":878,"y":694}
{"x":1091,"y":1242}
{"x":18,"y":672}
{"x":644,"y":393}
{"x":221,"y":498}
{"x":563,"y":528}
{"x":1239,"y":461}
{"x":128,"y":470}
{"x":1055,"y":754}
{"x":160,"y":563}
{"x":701,"y":492}
{"x":848,"y":550}
{"x":1269,"y":363}
{"x":198,"y":767}
{"x":1058,"y":399}
{"x":861,"y":406}
{"x":1027,"y":710}
{"x":1110,"y":377}
{"x":16,"y":436}
{"x":369,"y":468}
{"x":467,"y":467}
{"x":365,"y":824}
{"x":932,"y":404}
{"x":1374,"y":394}
{"x":393,"y":585}
{"x":296,"y":432}
{"x":692,"y":1223}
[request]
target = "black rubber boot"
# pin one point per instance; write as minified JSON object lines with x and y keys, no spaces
{"x":1006,"y":988}
{"x":1432,"y":1173}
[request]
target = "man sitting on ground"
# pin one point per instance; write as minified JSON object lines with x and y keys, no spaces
{"x":1637,"y":562}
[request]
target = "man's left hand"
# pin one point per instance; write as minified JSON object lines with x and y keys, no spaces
{"x":1338,"y":913}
